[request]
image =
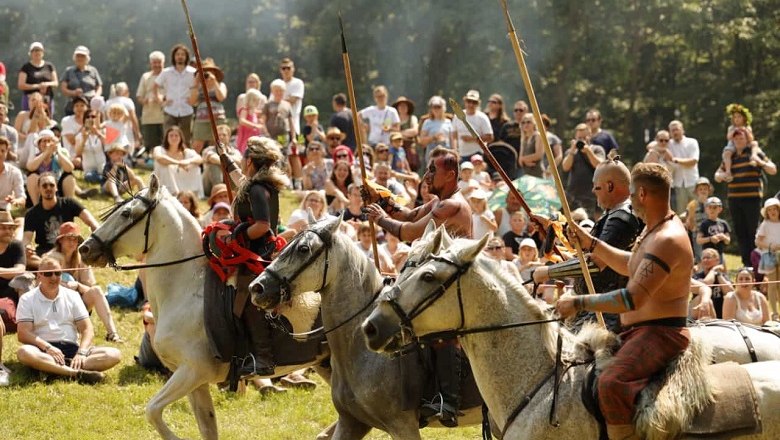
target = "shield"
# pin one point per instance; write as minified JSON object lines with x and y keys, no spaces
{"x":540,"y":194}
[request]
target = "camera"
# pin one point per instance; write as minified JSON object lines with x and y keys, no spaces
{"x":580,"y":145}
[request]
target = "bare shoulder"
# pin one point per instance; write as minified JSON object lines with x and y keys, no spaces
{"x":670,"y":244}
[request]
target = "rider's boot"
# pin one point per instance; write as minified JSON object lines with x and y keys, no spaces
{"x":621,"y":432}
{"x":260,"y":361}
{"x":448,"y":368}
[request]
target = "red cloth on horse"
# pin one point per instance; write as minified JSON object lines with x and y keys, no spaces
{"x":645,"y":351}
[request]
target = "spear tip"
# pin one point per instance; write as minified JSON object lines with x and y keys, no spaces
{"x":343,"y":39}
{"x":457,"y":110}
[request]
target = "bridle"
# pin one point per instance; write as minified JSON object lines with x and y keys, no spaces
{"x":106,"y":246}
{"x":285,"y":283}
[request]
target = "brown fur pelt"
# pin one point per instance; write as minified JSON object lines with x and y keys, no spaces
{"x":670,"y":402}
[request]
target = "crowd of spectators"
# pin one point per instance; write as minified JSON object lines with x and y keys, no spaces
{"x":48,"y":157}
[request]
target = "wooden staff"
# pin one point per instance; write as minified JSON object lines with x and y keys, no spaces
{"x":356,"y":129}
{"x":202,"y":78}
{"x":497,"y":166}
{"x":548,"y":150}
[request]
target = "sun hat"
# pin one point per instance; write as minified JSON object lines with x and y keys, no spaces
{"x":116,"y":146}
{"x":81,"y":50}
{"x":69,"y":229}
{"x":82,"y":99}
{"x":472,"y":95}
{"x":409,"y":103}
{"x":6,"y":218}
{"x":209,"y":66}
{"x":467,"y":166}
{"x":44,"y":134}
{"x":334,"y":131}
{"x":704,"y":181}
{"x":713,"y":201}
{"x":396,"y":135}
{"x":476,"y":158}
{"x":220,"y":205}
{"x":216,"y":190}
{"x":310,"y":110}
{"x":526,"y":242}
{"x":478,"y":194}
{"x":36,"y":45}
{"x":772,"y":201}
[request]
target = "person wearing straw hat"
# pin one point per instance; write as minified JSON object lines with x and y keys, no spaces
{"x":201,"y":127}
{"x":219,"y":194}
{"x":334,"y":138}
{"x":119,"y":178}
{"x":465,"y":144}
{"x":81,"y":79}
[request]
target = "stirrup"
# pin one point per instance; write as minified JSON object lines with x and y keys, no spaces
{"x":249,"y":367}
{"x":447,"y":414}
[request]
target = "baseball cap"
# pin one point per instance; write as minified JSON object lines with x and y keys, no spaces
{"x":472,"y":95}
{"x":81,"y":50}
{"x":713,"y":201}
{"x":220,"y":205}
{"x":396,"y":135}
{"x":476,"y":158}
{"x":478,"y":194}
{"x":44,"y":134}
{"x":310,"y":110}
{"x":527,"y":242}
{"x":36,"y":45}
{"x":467,"y":166}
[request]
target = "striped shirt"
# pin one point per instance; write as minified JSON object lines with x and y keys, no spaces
{"x":747,"y":181}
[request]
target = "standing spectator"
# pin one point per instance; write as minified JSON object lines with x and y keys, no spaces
{"x":293,"y":92}
{"x":4,"y":92}
{"x":396,"y":153}
{"x":465,"y":144}
{"x":410,"y":128}
{"x":150,"y":99}
{"x":658,"y":150}
{"x":437,"y":129}
{"x":178,"y":166}
{"x":580,"y":162}
{"x":11,"y":181}
{"x":714,"y":232}
{"x":496,"y":113}
{"x":317,"y":169}
{"x":201,"y":127}
{"x":745,"y":304}
{"x":37,"y":75}
{"x":555,"y":144}
{"x":9,"y":133}
{"x":531,"y":148}
{"x":219,"y":194}
{"x":746,"y":191}
{"x":342,"y":119}
{"x":278,"y":119}
{"x":685,"y":162}
{"x":695,"y":211}
{"x":56,"y":332}
{"x":249,"y":123}
{"x":511,"y":132}
{"x":82,"y":79}
{"x":212,"y":167}
{"x":379,"y":120}
{"x":495,"y":250}
{"x":740,"y":118}
{"x":528,"y":258}
{"x":483,"y":222}
{"x":312,"y":131}
{"x":252,"y":82}
{"x":712,"y":273}
{"x":516,"y":233}
{"x":768,"y":242}
{"x":597,"y":135}
{"x":177,"y":80}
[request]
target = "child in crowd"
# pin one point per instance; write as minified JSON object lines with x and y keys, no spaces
{"x":714,"y":232}
{"x":116,"y":127}
{"x":467,"y":183}
{"x":118,"y":176}
{"x":89,"y":147}
{"x":220,"y":211}
{"x":483,"y":221}
{"x":495,"y":250}
{"x":768,"y":242}
{"x":480,"y":172}
{"x":398,"y":250}
{"x":695,"y":212}
{"x":364,"y":243}
{"x":528,"y":258}
{"x":312,"y":130}
{"x":740,"y":118}
{"x":397,"y":158}
{"x":189,"y":201}
{"x":249,"y":123}
{"x":219,"y":193}
{"x":517,"y":222}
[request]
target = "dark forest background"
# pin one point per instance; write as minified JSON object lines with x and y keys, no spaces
{"x":641,"y":62}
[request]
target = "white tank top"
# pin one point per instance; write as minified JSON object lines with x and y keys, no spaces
{"x":754,"y":316}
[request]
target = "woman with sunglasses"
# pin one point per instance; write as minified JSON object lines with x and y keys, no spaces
{"x":658,"y":150}
{"x":496,"y":113}
{"x":745,"y":304}
{"x":318,"y":167}
{"x":495,"y":250}
{"x":531,"y":147}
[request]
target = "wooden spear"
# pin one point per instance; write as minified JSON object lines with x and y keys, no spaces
{"x":202,"y":78}
{"x":356,"y":129}
{"x":548,"y":150}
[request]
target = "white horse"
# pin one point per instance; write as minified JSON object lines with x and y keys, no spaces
{"x":367,"y":388}
{"x":462,"y":289}
{"x":154,"y":222}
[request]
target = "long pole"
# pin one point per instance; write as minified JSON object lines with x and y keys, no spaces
{"x":548,"y":150}
{"x":202,"y":78}
{"x":356,"y":128}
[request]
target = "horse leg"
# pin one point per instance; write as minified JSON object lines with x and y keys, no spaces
{"x":203,"y":408}
{"x":349,"y":428}
{"x":183,"y":381}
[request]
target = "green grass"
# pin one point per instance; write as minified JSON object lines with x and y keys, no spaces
{"x":63,"y":410}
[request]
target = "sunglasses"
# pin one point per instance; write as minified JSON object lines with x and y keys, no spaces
{"x":527,"y":122}
{"x":334,"y":138}
{"x":342,"y":155}
{"x":285,"y":67}
{"x":382,"y":151}
{"x":54,"y":273}
{"x":663,"y":141}
{"x":494,"y":248}
{"x":48,"y":185}
{"x":492,"y":101}
{"x":520,"y":110}
{"x":315,"y":149}
{"x":591,"y":120}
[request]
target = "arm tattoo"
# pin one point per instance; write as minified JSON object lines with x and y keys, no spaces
{"x":390,"y":225}
{"x":616,"y":301}
{"x":661,"y":263}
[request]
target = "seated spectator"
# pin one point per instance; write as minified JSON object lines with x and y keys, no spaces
{"x":467,"y":183}
{"x":119,"y":177}
{"x":89,"y":147}
{"x":398,"y":251}
{"x":353,"y":212}
{"x":56,"y":333}
{"x":768,"y":242}
{"x":49,"y":156}
{"x":212,"y":167}
{"x":12,"y":193}
{"x":177,"y":166}
{"x":318,"y":167}
{"x":517,"y":232}
{"x":333,"y":139}
{"x":190,"y":203}
{"x":221,"y":211}
{"x":712,"y":273}
{"x":483,"y":221}
{"x":12,"y":263}
{"x":714,"y":232}
{"x":364,"y":244}
{"x":219,"y":193}
{"x":78,"y":277}
{"x":701,"y":306}
{"x":495,"y":250}
{"x":9,"y":133}
{"x":72,"y":125}
{"x":529,"y":258}
{"x":314,"y":200}
{"x":30,"y":122}
{"x":147,"y":358}
{"x":746,"y":304}
{"x":5,"y":372}
{"x":383,"y":176}
{"x":336,"y":186}
{"x":43,"y":221}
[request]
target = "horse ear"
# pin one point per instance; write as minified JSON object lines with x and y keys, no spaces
{"x":310,"y":213}
{"x":154,"y":186}
{"x":470,"y":252}
{"x":332,"y":222}
{"x":446,"y":238}
{"x":430,"y":228}
{"x":436,"y":241}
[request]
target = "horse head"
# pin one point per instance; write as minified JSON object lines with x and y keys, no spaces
{"x":302,"y":266}
{"x":125,"y":228}
{"x":419,"y":303}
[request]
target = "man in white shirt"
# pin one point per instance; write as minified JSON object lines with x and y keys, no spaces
{"x":294,"y":91}
{"x":54,"y":327}
{"x":465,"y":144}
{"x":685,"y":171}
{"x":177,"y":80}
{"x":381,"y":119}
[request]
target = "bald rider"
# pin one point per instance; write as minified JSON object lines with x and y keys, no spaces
{"x":618,"y":226}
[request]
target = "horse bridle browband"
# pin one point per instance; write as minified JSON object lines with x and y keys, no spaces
{"x":106,"y":246}
{"x":285,"y":287}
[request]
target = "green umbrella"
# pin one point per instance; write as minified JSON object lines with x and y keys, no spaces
{"x":539,"y":194}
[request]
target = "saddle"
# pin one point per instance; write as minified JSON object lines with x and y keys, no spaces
{"x":691,"y":397}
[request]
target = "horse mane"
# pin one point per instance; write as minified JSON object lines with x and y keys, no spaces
{"x":364,"y":266}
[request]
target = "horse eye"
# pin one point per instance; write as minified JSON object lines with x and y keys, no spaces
{"x":126,"y":213}
{"x":427,"y":276}
{"x":304,"y":249}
